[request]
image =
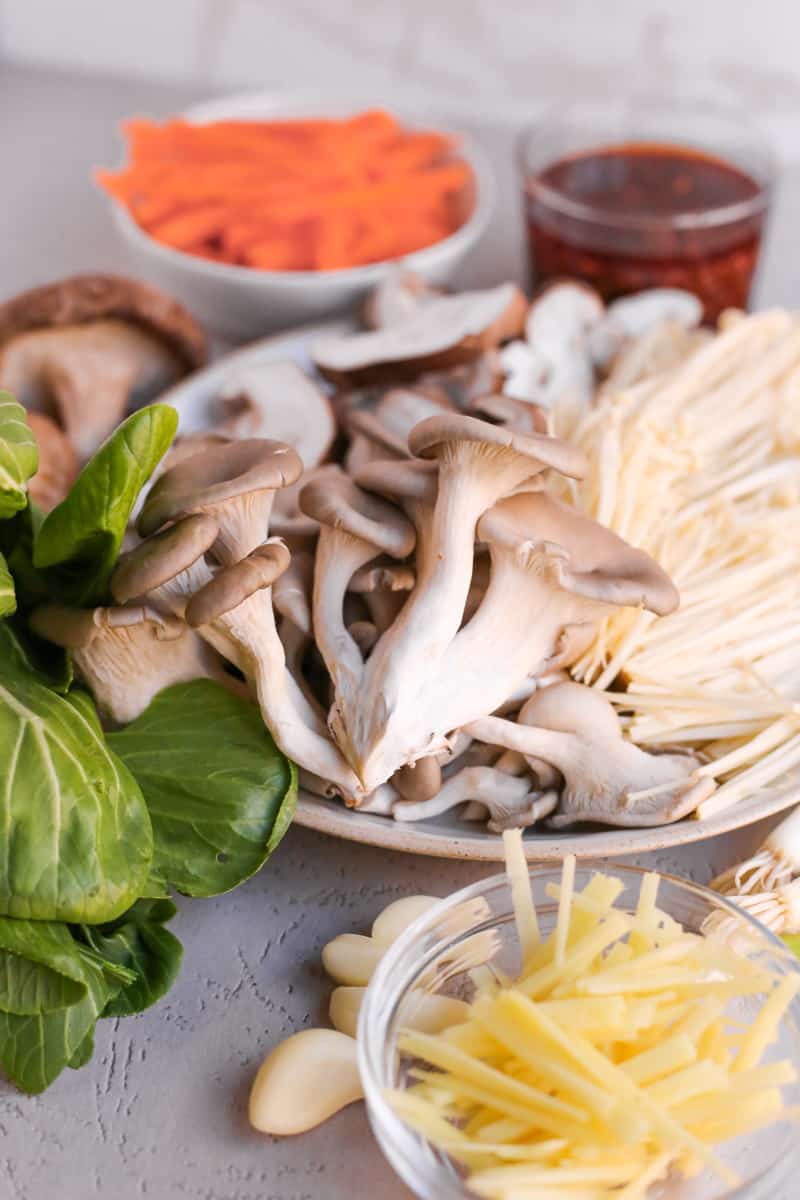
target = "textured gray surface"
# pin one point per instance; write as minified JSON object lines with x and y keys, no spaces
{"x":161,"y":1110}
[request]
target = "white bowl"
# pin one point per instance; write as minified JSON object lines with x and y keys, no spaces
{"x":242,"y":303}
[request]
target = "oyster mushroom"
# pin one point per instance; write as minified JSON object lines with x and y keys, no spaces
{"x":448,"y":331}
{"x":237,"y":603}
{"x":478,"y":464}
{"x":419,"y":781}
{"x":382,"y":432}
{"x":509,"y":801}
{"x":385,"y":587}
{"x":58,"y":462}
{"x":287,"y":520}
{"x":606,"y":778}
{"x":277,"y":400}
{"x":397,"y":297}
{"x":126,"y":655}
{"x":88,"y":348}
{"x":235,"y":483}
{"x":520,"y":415}
{"x":354,"y":529}
{"x":292,"y":591}
{"x":161,"y":568}
{"x":553,"y":569}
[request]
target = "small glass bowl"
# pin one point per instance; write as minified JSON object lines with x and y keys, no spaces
{"x":434,"y":955}
{"x":599,"y":211}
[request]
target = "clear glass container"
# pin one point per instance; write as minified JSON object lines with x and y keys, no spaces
{"x":644,"y":195}
{"x":434,"y":955}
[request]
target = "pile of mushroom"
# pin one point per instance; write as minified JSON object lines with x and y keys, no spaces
{"x":79,"y":354}
{"x":404,"y":588}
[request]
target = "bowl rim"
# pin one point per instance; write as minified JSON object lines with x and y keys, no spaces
{"x":299,"y":104}
{"x":388,"y":984}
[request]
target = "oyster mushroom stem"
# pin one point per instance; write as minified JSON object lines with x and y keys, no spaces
{"x":606,"y":778}
{"x":571,"y":574}
{"x":237,"y":603}
{"x":508,"y":800}
{"x":419,"y":781}
{"x":385,"y":588}
{"x":235,"y":483}
{"x":126,"y":655}
{"x":354,"y":529}
{"x":478,"y":465}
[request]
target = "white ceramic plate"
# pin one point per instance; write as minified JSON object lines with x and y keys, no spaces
{"x":446,"y":836}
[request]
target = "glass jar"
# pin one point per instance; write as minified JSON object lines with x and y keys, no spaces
{"x":434,"y":956}
{"x":647,"y":195}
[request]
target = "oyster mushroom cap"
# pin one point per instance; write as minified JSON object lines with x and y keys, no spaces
{"x":448,"y":331}
{"x":390,"y":422}
{"x":163,"y":556}
{"x":396,"y":298}
{"x":606,"y":568}
{"x":279,"y":401}
{"x":235,"y":483}
{"x":400,"y":479}
{"x":434,"y":437}
{"x":383,"y":577}
{"x":418,"y":781}
{"x":606,"y":778}
{"x":523,"y":416}
{"x":234,"y":584}
{"x":286,"y":519}
{"x":58,"y":462}
{"x":339,"y":503}
{"x":126,"y":655}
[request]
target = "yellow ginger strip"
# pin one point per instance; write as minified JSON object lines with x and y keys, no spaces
{"x":521,"y":893}
{"x":564,"y":910}
{"x":671,"y":1055}
{"x":764,"y":1029}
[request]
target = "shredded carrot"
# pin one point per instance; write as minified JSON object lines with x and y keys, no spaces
{"x":292,"y":195}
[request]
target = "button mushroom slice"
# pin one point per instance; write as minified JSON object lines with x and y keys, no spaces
{"x":354,"y":528}
{"x":396,"y":298}
{"x":448,"y":331}
{"x":58,"y":462}
{"x":237,"y":603}
{"x":385,"y":587}
{"x":419,"y":781}
{"x":632,"y":317}
{"x":478,"y":464}
{"x":126,"y":655}
{"x":607,"y":778}
{"x":235,"y":483}
{"x":278,"y":400}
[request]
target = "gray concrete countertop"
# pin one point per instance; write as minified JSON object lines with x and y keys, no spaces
{"x":161,"y":1110}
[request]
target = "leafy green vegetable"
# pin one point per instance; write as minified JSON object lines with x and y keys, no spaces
{"x":34,"y":1050}
{"x":84,"y":1052}
{"x":19,"y":457}
{"x":48,"y":663}
{"x":79,"y":541}
{"x":8,"y":597}
{"x":16,"y":543}
{"x":41,"y":969}
{"x":77,"y":840}
{"x":137,"y":940}
{"x":792,"y":941}
{"x":220,"y":793}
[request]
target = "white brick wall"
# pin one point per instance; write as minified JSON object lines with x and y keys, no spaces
{"x":498,"y":55}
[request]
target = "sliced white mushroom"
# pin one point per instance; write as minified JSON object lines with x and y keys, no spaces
{"x":277,"y":400}
{"x":397,"y":297}
{"x":632,"y":317}
{"x":448,"y":331}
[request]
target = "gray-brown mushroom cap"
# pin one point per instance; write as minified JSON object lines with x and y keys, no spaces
{"x":383,"y":577}
{"x":231,"y":586}
{"x":521,"y":415}
{"x":85,"y":298}
{"x":162,"y":557}
{"x":431,"y":437}
{"x":401,"y":479}
{"x":340,"y":504}
{"x":218,"y":474}
{"x":600,"y":565}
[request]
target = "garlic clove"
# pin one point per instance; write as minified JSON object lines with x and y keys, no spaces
{"x":397,"y":917}
{"x":345,"y":1005}
{"x":304,"y":1081}
{"x":351,"y":958}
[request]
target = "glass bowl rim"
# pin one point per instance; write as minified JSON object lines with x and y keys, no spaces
{"x":702,"y":218}
{"x":387,"y":986}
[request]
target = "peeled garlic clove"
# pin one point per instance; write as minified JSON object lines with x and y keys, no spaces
{"x":345,"y":1005}
{"x":397,"y":917}
{"x":351,"y":958}
{"x":304,"y":1081}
